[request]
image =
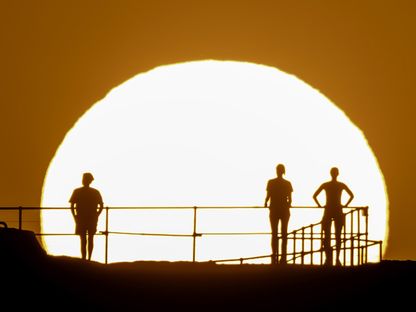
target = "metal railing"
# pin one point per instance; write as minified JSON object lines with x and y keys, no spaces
{"x":302,"y":241}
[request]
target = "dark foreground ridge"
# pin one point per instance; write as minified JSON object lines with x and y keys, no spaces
{"x":32,"y":280}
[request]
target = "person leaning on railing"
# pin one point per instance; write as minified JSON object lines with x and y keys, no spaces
{"x":279,"y":193}
{"x":333,"y":212}
{"x":86,"y":206}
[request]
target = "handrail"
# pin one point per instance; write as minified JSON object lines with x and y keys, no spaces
{"x":167,"y":207}
{"x":304,"y":234}
{"x":149,"y":234}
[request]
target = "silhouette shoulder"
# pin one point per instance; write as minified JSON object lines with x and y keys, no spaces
{"x":96,"y":192}
{"x":276,"y":183}
{"x":270,"y":182}
{"x":325,"y":185}
{"x":289,"y":185}
{"x":75,"y":195}
{"x":82,"y":193}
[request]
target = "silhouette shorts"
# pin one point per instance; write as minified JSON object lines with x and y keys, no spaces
{"x":84,"y":226}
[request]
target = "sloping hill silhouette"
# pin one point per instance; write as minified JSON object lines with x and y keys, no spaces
{"x":33,"y":280}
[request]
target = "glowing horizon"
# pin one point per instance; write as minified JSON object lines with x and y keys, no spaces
{"x":207,"y":133}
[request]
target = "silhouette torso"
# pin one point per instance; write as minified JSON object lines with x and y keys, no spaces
{"x":86,"y":199}
{"x":333,"y":191}
{"x":279,"y":190}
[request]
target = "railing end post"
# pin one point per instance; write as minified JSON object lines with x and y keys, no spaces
{"x":194,"y":235}
{"x":20,"y":217}
{"x":106,"y":234}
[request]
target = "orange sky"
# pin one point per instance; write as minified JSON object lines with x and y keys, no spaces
{"x":59,"y":57}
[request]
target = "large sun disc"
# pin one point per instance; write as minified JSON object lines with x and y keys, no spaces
{"x":206,"y":133}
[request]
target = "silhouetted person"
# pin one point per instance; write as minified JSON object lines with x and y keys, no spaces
{"x":333,"y":212}
{"x":86,"y":206}
{"x":279,"y":192}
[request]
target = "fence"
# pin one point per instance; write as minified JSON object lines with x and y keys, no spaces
{"x":304,"y":243}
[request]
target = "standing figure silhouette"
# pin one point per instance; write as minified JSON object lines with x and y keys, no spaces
{"x":279,"y":193}
{"x":333,"y":212}
{"x":86,"y":206}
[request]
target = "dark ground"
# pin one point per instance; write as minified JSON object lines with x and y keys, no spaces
{"x":32,"y":280}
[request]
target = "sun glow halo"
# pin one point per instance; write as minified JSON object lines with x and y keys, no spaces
{"x":206,"y":133}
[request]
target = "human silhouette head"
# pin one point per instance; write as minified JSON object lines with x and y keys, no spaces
{"x":334,"y":173}
{"x":280,"y":170}
{"x":87,"y":178}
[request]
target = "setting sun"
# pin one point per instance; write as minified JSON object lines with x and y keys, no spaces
{"x":206,"y":133}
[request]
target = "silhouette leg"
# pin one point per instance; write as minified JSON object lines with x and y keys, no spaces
{"x":90,"y":245}
{"x":83,"y":245}
{"x":326,"y":244}
{"x":284,"y":224}
{"x":339,"y":224}
{"x":274,"y":239}
{"x":275,"y":246}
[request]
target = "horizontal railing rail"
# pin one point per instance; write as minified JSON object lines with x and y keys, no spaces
{"x":354,"y":236}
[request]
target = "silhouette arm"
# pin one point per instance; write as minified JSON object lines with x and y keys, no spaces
{"x":100,"y":203}
{"x":346,"y":188}
{"x":100,"y":208}
{"x":73,"y":211}
{"x":267,"y":199}
{"x":316,"y":194}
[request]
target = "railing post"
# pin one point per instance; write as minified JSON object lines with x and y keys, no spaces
{"x":381,"y":251}
{"x":294,"y":247}
{"x":311,"y":244}
{"x":20,"y":217}
{"x":365,"y":211}
{"x":106,"y":235}
{"x":194,"y":237}
{"x":322,"y":246}
{"x":352,"y":239}
{"x":345,"y":240}
{"x":359,"y":251}
{"x":303,"y":246}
